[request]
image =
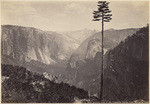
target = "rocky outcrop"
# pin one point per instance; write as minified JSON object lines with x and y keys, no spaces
{"x":92,"y":45}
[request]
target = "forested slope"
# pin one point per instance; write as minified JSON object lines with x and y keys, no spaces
{"x":22,"y":86}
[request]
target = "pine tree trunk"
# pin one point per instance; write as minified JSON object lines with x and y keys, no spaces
{"x":101,"y":83}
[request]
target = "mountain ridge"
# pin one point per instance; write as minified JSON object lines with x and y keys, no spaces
{"x":125,"y":70}
{"x":111,"y":39}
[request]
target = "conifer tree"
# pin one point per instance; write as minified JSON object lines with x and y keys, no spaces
{"x":103,"y":14}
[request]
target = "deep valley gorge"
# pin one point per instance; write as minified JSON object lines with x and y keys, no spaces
{"x":74,"y":58}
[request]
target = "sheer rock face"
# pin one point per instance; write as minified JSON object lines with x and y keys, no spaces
{"x":26,"y":44}
{"x":92,"y":45}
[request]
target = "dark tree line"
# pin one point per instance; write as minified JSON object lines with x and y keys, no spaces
{"x":23,"y":86}
{"x":126,"y":73}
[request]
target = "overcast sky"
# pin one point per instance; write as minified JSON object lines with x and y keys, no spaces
{"x":72,"y":15}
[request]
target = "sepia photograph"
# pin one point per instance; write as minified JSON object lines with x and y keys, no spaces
{"x":77,"y":51}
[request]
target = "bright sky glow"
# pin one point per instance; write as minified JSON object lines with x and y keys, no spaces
{"x":72,"y":15}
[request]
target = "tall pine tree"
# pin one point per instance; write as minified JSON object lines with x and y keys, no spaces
{"x":103,"y":14}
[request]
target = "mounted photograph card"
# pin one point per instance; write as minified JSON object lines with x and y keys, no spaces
{"x":85,"y":51}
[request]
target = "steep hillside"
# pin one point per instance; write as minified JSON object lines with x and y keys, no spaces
{"x":40,"y":51}
{"x":22,"y":86}
{"x":92,"y":45}
{"x":126,"y":70}
{"x":36,"y":50}
{"x":25,"y":44}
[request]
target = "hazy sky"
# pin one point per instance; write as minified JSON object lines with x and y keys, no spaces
{"x":72,"y":15}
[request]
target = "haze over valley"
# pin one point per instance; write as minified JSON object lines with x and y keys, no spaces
{"x":51,"y":52}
